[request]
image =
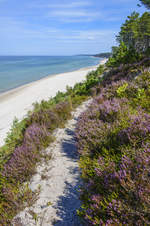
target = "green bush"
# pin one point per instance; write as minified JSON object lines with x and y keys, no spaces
{"x":27,"y":138}
{"x":113,"y":139}
{"x":123,"y":55}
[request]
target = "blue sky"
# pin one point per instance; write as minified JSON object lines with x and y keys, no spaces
{"x":61,"y":27}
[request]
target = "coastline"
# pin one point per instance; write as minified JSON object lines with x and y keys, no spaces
{"x":17,"y":102}
{"x":36,"y":75}
{"x":5,"y":94}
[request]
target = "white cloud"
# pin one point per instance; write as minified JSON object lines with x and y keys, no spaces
{"x":63,"y":6}
{"x":77,"y":12}
{"x":70,"y":5}
{"x":88,"y":36}
{"x":21,"y":30}
{"x":72,"y":13}
{"x":78,"y":15}
{"x":50,"y":40}
{"x":76,"y":20}
{"x":91,"y":38}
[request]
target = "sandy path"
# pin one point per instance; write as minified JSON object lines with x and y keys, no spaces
{"x":59,"y":180}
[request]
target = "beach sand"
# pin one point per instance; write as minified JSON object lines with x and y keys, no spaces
{"x":17,"y":102}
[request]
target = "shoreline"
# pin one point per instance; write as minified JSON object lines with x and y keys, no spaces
{"x":12,"y":90}
{"x":17,"y":102}
{"x":16,"y":90}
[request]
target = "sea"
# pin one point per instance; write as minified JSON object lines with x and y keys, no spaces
{"x":16,"y":71}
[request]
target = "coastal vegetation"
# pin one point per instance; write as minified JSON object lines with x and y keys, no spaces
{"x":146,"y":3}
{"x":113,"y":137}
{"x":133,"y":39}
{"x":26,"y":141}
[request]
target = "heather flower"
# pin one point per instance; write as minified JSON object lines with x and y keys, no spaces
{"x":113,"y":139}
{"x":139,"y":131}
{"x":36,"y":134}
{"x":21,"y":162}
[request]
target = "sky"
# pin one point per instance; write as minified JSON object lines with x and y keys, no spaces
{"x":61,"y":27}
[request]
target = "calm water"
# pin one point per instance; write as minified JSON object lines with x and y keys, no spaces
{"x":17,"y":71}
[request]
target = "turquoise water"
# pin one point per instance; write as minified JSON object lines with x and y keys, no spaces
{"x":20,"y":70}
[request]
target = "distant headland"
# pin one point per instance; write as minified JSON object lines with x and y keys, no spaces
{"x":101,"y":55}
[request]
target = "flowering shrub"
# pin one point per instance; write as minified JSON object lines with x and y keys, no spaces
{"x":113,"y":139}
{"x":18,"y":169}
{"x":138,"y":133}
{"x":38,"y":135}
{"x":21,"y":162}
{"x":44,"y":117}
{"x":63,"y":111}
{"x":25,"y":141}
{"x":126,"y":201}
{"x":53,"y":117}
{"x":24,"y":157}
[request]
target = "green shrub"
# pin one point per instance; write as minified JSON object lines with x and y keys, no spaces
{"x":27,"y":138}
{"x":123,"y":55}
{"x":113,"y":139}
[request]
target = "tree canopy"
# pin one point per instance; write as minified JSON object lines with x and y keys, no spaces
{"x":146,"y":3}
{"x":133,"y":39}
{"x":135,"y":32}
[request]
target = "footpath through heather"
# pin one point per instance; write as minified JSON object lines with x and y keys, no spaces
{"x":58,"y":180}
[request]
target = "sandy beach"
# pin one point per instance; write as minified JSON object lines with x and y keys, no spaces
{"x":17,"y":102}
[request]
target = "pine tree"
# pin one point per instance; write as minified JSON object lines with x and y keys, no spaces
{"x":146,"y":3}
